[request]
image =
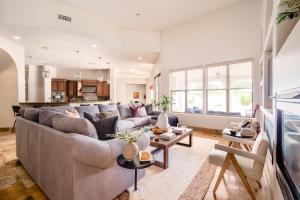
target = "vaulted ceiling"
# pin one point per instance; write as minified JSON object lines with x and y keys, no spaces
{"x":124,"y":33}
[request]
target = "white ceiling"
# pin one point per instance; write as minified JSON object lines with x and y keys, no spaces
{"x":35,"y":22}
{"x":155,"y":14}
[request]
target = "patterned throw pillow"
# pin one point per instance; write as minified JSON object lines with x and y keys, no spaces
{"x":103,"y":126}
{"x":133,"y":110}
{"x":141,"y":112}
{"x":104,"y":115}
{"x":73,"y":113}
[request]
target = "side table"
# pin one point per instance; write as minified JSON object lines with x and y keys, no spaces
{"x":135,"y":165}
{"x":237,"y":140}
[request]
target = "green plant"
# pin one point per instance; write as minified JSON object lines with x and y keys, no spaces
{"x":245,"y":100}
{"x":164,"y":103}
{"x":292,"y":11}
{"x":130,"y":137}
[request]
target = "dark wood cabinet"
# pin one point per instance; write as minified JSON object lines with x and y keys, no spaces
{"x":59,"y":85}
{"x":103,"y":89}
{"x":71,"y":88}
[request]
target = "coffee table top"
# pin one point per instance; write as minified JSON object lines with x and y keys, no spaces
{"x":173,"y":141}
{"x":135,"y":164}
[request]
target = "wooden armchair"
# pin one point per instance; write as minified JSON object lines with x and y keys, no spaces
{"x":246,"y":164}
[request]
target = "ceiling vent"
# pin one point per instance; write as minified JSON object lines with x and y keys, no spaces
{"x":64,"y":18}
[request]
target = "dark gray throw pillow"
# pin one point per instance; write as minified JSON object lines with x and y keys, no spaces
{"x":32,"y":114}
{"x":149,"y":109}
{"x":103,"y":126}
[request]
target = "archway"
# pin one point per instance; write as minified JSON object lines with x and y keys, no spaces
{"x":8,"y":88}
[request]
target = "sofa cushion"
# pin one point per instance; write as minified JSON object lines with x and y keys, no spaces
{"x":32,"y":114}
{"x":107,"y":108}
{"x":59,"y":109}
{"x":46,"y":116}
{"x":139,"y":121}
{"x":74,"y":125}
{"x":124,"y":111}
{"x":123,"y":125}
{"x":103,"y":126}
{"x":141,"y":112}
{"x":93,"y":110}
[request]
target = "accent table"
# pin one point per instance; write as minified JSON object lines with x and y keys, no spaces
{"x":164,"y":145}
{"x":237,"y":140}
{"x":135,"y":164}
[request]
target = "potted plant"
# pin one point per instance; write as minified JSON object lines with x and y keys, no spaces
{"x":292,"y":10}
{"x":163,"y":104}
{"x":131,"y":149}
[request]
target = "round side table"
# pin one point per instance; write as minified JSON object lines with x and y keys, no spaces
{"x":135,"y":165}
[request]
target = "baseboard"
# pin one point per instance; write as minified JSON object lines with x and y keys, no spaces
{"x":207,"y":130}
{"x":5,"y":129}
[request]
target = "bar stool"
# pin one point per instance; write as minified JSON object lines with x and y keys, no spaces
{"x":16,"y":110}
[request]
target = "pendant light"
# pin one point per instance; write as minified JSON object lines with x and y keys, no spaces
{"x":45,"y":72}
{"x":100,"y":76}
{"x":77,"y":75}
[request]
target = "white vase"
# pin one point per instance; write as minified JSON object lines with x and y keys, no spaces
{"x":162,"y":120}
{"x":130,"y":151}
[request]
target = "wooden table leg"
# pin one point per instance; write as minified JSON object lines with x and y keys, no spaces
{"x":165,"y":163}
{"x":190,"y":142}
{"x":166,"y":158}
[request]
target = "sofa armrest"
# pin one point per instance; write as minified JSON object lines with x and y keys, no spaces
{"x":240,"y":152}
{"x":91,"y":151}
{"x":99,"y":153}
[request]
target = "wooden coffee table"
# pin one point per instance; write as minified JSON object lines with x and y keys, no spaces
{"x":164,"y":145}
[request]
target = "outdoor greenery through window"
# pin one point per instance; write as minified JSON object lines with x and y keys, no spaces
{"x":228,"y":89}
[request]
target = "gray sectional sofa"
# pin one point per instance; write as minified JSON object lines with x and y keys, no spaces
{"x":64,"y":157}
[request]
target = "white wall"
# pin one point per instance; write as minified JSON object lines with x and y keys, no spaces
{"x":17,"y":54}
{"x":121,"y":89}
{"x":231,"y":33}
{"x":9,"y":94}
{"x":12,"y":79}
{"x":131,"y":88}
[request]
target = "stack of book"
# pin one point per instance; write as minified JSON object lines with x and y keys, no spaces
{"x":167,"y":136}
{"x":178,"y":130}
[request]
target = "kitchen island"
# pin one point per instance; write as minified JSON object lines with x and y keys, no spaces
{"x":52,"y":104}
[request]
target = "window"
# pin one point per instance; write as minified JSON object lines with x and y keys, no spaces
{"x":178,"y":91}
{"x":216,"y":90}
{"x":228,"y":89}
{"x":240,"y":90}
{"x":187,"y":90}
{"x":194,"y":90}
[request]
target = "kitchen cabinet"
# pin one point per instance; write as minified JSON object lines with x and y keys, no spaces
{"x":103,"y":89}
{"x":89,"y":82}
{"x":59,"y":85}
{"x":71,"y":88}
{"x":79,"y":86}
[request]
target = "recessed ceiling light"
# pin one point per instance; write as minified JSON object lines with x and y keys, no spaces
{"x":94,"y":45}
{"x":140,"y":58}
{"x":138,"y":14}
{"x":17,"y":37}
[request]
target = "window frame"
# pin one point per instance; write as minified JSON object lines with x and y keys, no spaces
{"x":185,"y":90}
{"x":228,"y":88}
{"x":205,"y":86}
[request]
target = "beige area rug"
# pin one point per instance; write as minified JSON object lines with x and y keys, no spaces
{"x":187,"y":178}
{"x":183,"y":172}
